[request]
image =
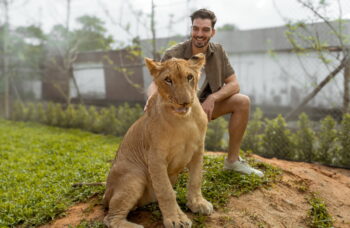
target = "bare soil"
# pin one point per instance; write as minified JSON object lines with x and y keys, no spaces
{"x":285,"y":204}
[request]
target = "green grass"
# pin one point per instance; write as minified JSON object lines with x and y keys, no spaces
{"x":318,"y":214}
{"x":39,"y":164}
{"x":218,"y":185}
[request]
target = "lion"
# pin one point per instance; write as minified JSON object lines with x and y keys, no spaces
{"x":158,"y":146}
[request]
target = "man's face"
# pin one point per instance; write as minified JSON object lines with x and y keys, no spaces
{"x":201,"y":32}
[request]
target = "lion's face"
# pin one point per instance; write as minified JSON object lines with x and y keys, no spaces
{"x":177,"y":80}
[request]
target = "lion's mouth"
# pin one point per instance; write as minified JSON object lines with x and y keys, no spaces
{"x":182,"y":110}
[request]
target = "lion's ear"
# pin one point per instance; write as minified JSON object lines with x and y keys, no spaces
{"x":153,"y":66}
{"x":197,"y":61}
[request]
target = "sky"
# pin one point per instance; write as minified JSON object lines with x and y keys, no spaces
{"x":171,"y":17}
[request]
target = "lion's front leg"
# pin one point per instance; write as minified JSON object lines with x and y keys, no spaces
{"x":172,"y":214}
{"x":195,"y":200}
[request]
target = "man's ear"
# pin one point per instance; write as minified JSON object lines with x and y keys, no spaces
{"x":153,"y":66}
{"x":197,"y":61}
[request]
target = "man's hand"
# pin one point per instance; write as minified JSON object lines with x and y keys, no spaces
{"x":208,"y":106}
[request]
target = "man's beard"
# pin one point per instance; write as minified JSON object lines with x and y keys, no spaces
{"x":200,"y":44}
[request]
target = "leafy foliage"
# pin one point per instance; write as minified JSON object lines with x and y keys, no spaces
{"x":214,"y":139}
{"x":91,"y":35}
{"x":38,"y":166}
{"x":327,"y":150}
{"x":112,"y":120}
{"x":305,"y":139}
{"x":273,"y":138}
{"x":344,"y":138}
{"x":253,"y":138}
{"x":318,"y":214}
{"x":277,"y":139}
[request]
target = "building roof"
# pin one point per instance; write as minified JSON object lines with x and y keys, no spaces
{"x":263,"y":40}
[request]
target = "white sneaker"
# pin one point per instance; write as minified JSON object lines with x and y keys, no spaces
{"x":242,"y":166}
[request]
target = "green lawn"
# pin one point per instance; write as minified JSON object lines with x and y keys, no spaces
{"x":39,"y":164}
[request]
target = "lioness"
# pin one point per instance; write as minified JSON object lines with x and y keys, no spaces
{"x":158,"y":146}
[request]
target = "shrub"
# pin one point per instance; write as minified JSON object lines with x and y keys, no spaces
{"x":82,"y":120}
{"x":214,"y":139}
{"x":42,"y":118}
{"x":344,"y":138}
{"x":327,"y":149}
{"x":94,"y":120}
{"x":126,"y":116}
{"x":253,"y":139}
{"x":51,"y":114}
{"x":18,"y":111}
{"x":32,"y":112}
{"x":60,"y":115}
{"x":109,"y":121}
{"x":276,"y":141}
{"x":305,"y":139}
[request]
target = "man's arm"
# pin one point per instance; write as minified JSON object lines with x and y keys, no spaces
{"x":230,"y":88}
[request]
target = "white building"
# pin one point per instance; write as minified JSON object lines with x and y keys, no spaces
{"x":270,"y":72}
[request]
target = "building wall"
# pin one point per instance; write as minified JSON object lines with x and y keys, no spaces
{"x":112,"y":77}
{"x":285,"y":79}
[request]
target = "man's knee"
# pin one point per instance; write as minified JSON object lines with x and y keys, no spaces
{"x":242,"y":102}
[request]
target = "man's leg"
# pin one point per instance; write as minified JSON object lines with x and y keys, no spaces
{"x":239,"y":106}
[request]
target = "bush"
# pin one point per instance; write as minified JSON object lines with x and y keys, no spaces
{"x":327,"y":149}
{"x":83,"y":119}
{"x":109,"y":120}
{"x":214,"y":139}
{"x":344,"y":138}
{"x":305,"y":139}
{"x":18,"y":111}
{"x":126,"y":116}
{"x":276,"y":141}
{"x":253,"y":138}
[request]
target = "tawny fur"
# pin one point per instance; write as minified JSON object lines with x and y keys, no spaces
{"x":158,"y":146}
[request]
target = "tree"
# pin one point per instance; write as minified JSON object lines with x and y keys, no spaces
{"x":91,"y":36}
{"x":305,"y":39}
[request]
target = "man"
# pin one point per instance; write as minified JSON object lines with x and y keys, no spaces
{"x":218,"y":86}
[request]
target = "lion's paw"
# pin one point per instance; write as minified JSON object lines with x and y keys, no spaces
{"x":200,"y":206}
{"x":120,"y":223}
{"x":179,"y":221}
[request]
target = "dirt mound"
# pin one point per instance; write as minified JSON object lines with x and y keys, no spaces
{"x":283,"y":205}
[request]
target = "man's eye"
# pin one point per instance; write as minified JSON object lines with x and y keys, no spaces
{"x":190,"y":77}
{"x":168,"y":80}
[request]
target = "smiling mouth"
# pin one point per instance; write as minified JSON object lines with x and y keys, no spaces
{"x":200,"y":38}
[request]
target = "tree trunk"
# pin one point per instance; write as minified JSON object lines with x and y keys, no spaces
{"x":153,"y":30}
{"x":346,"y":100}
{"x":5,"y":60}
{"x":309,"y":97}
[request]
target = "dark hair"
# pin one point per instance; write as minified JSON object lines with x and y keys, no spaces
{"x":204,"y":14}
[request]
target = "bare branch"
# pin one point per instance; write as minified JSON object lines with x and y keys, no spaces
{"x":330,"y":76}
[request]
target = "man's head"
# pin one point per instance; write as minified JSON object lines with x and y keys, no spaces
{"x":203,"y":22}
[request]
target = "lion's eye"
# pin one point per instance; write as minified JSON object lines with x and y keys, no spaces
{"x":168,"y":81}
{"x":190,"y":77}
